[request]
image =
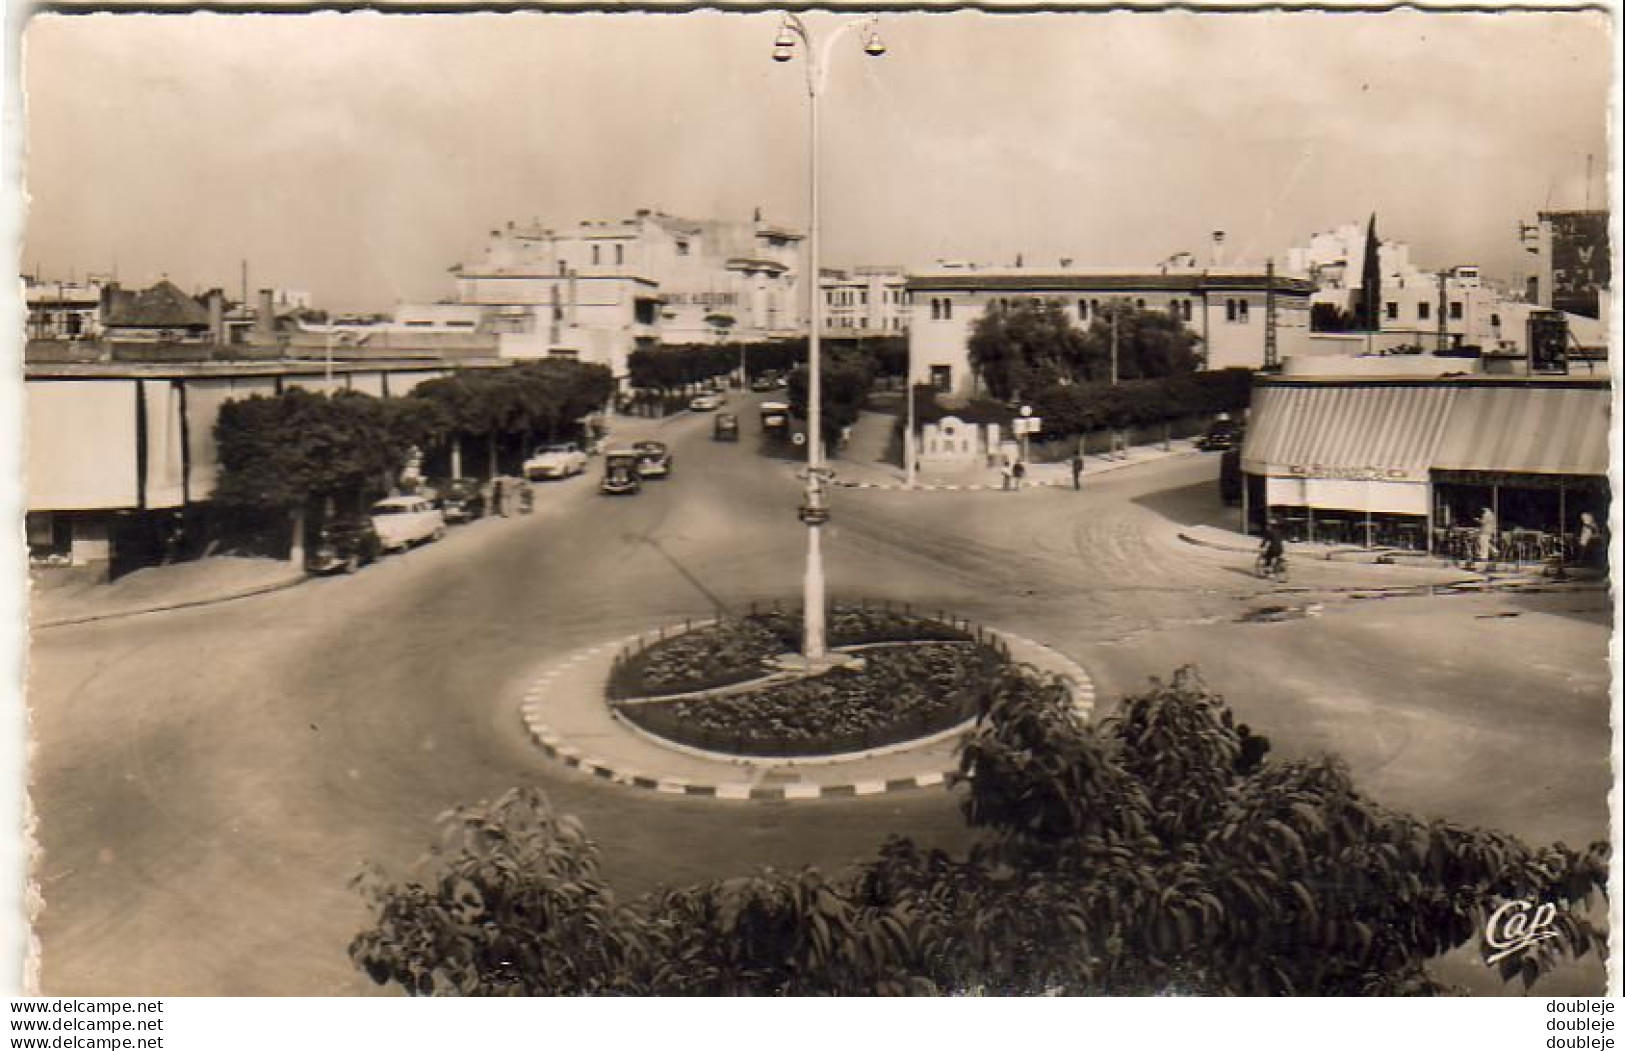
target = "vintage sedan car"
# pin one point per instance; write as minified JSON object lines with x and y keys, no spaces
{"x":621,"y":477}
{"x":765,"y":382}
{"x":708,"y":402}
{"x":725,"y":428}
{"x":1222,"y":436}
{"x":461,"y":500}
{"x":655,"y":459}
{"x":345,"y":543}
{"x":559,"y":460}
{"x":402,"y":521}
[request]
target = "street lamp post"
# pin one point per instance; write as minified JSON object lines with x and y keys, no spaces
{"x":814,"y":649}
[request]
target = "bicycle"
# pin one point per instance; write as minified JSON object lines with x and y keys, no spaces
{"x":1271,"y":568}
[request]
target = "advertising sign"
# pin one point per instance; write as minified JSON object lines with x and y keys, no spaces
{"x":1548,"y":343}
{"x":1580,"y":265}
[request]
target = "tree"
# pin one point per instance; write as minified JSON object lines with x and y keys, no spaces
{"x":1022,"y":348}
{"x":1150,"y":344}
{"x":847,"y":377}
{"x":510,"y":408}
{"x":298,"y":450}
{"x":1329,"y":317}
{"x":1159,"y":850}
{"x":1370,"y":310}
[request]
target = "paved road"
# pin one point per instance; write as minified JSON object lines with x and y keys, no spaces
{"x":207,"y":781}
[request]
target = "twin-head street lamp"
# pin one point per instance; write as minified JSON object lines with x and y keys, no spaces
{"x":814,"y":649}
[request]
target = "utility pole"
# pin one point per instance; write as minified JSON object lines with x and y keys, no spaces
{"x":1272,"y":350}
{"x":1444,"y":325}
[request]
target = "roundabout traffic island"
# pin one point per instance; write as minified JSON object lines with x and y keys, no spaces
{"x":740,"y":688}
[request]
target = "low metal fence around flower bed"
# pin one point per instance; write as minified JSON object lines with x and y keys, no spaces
{"x":902,"y":691}
{"x":711,"y":655}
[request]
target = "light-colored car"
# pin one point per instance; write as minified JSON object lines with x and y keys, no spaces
{"x":706,"y":402}
{"x":560,"y":460}
{"x":402,"y":521}
{"x":654,"y":459}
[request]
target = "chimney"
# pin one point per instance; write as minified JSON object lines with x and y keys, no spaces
{"x":217,"y":316}
{"x":265,"y":319}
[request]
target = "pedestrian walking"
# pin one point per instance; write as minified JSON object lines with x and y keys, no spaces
{"x":1589,"y":541}
{"x":1009,"y":474}
{"x":499,"y":496}
{"x":1018,"y":472}
{"x":1077,"y":469}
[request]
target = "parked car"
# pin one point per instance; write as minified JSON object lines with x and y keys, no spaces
{"x":725,"y":428}
{"x":402,"y":521}
{"x":621,"y":473}
{"x":708,"y":402}
{"x":654,"y":459}
{"x":765,"y":382}
{"x":1223,"y":435}
{"x":560,"y":460}
{"x":345,"y":543}
{"x":461,"y":500}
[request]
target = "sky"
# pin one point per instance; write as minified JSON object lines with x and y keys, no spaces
{"x":359,"y":156}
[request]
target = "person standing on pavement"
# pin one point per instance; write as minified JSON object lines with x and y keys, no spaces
{"x":1077,"y":469}
{"x":1486,"y":538}
{"x":1009,"y":474}
{"x":1018,"y":472}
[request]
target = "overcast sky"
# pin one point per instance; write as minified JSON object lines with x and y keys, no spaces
{"x":359,"y":156}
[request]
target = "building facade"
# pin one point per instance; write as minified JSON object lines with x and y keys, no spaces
{"x":602,"y":289}
{"x":865,"y":301}
{"x":1241,"y":318}
{"x":1412,"y":461}
{"x":110,"y":446}
{"x":1456,"y":307}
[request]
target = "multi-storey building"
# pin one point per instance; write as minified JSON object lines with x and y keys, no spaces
{"x":1456,"y":307}
{"x":601,"y":289}
{"x":864,"y":301}
{"x":63,"y":309}
{"x":1235,"y":314}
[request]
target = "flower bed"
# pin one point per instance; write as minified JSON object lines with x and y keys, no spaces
{"x":901,"y":692}
{"x":736,"y":651}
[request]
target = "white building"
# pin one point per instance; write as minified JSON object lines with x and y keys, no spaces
{"x":1229,"y":311}
{"x":602,"y":289}
{"x":865,"y":301}
{"x":1426,"y":309}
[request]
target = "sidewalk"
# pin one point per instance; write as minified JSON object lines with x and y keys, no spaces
{"x":567,"y":716}
{"x":1229,"y":540}
{"x":160,"y":588}
{"x":859,"y":465}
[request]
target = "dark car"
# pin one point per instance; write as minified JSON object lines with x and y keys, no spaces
{"x":655,"y":459}
{"x":1223,"y":435}
{"x":621,"y":476}
{"x":462,"y":500}
{"x":765,"y":382}
{"x":345,"y":543}
{"x":725,"y":428}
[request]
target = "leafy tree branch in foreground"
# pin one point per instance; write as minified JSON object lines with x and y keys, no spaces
{"x":1161,"y":850}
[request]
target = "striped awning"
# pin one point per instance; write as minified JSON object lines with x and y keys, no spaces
{"x":1527,"y":430}
{"x":1370,"y":432}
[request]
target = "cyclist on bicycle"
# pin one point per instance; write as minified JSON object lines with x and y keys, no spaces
{"x":1273,"y":549}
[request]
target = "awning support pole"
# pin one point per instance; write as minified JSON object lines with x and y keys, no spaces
{"x":1432,"y":510}
{"x":1246,"y":484}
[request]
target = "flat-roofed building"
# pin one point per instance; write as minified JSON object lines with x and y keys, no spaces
{"x":1230,"y":311}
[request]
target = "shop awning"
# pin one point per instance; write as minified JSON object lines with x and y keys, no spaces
{"x":1368,"y":432}
{"x":1527,"y":430}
